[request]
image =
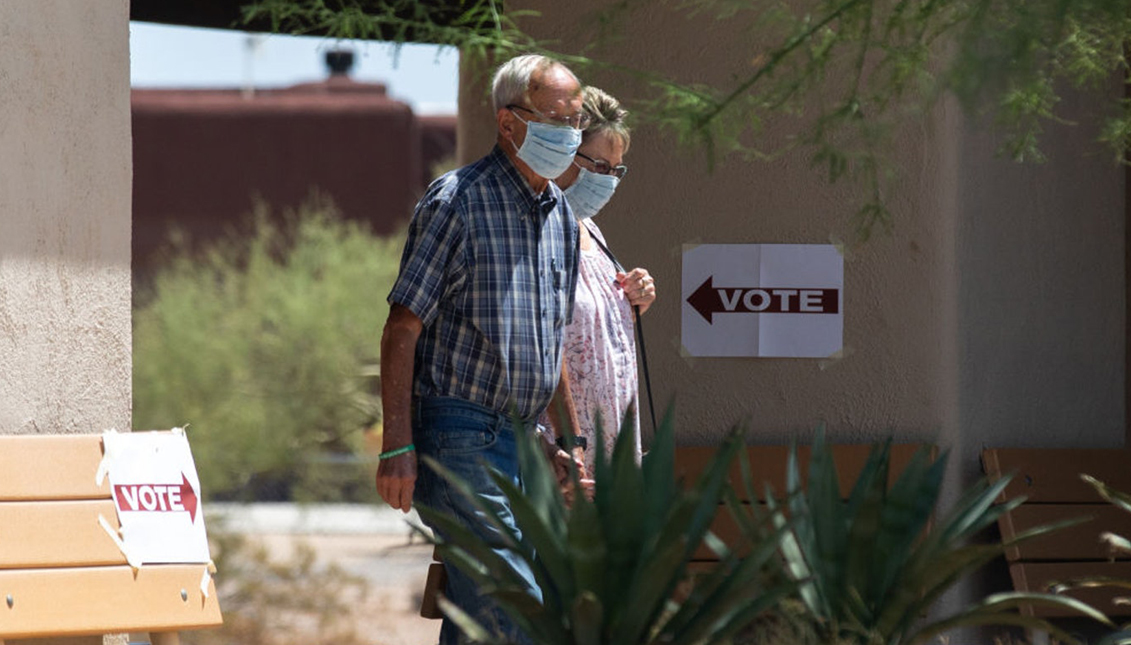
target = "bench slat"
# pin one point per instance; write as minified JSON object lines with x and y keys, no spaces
{"x":1035,"y":576}
{"x":1049,"y":480}
{"x":726,"y":529}
{"x":101,"y":600}
{"x":1052,"y":475}
{"x":57,"y":534}
{"x":1080,"y":542}
{"x":768,"y":464}
{"x":37,"y":467}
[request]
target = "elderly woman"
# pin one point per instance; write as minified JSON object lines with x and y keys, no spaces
{"x":599,"y":351}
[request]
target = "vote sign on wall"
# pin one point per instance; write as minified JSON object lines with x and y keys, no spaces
{"x":765,"y":300}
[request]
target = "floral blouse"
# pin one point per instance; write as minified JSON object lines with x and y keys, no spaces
{"x":600,"y":352}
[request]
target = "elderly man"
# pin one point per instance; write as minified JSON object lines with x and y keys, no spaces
{"x":477,"y":313}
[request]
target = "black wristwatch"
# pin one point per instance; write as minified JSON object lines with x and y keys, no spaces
{"x":579,"y":441}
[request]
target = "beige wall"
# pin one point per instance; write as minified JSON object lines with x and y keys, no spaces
{"x":65,"y":345}
{"x":64,"y":216}
{"x":1041,"y":314}
{"x":951,"y":331}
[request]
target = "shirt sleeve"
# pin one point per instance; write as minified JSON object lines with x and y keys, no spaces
{"x":430,"y":269}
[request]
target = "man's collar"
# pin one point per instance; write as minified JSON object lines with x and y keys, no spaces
{"x":547,"y":201}
{"x":544,"y":202}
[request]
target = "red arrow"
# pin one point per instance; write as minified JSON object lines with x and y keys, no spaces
{"x":708,"y":300}
{"x":188,"y":498}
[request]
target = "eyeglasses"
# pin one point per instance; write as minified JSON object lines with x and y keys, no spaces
{"x":602,"y":167}
{"x":579,"y":121}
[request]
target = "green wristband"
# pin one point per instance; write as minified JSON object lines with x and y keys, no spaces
{"x":397,"y":451}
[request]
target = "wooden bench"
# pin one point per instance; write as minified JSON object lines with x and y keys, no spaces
{"x":61,"y":573}
{"x":1049,"y":479}
{"x":768,"y":464}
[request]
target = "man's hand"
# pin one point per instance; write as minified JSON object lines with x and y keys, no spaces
{"x":396,"y":478}
{"x":396,"y":475}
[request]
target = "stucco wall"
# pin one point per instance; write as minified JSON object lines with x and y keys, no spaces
{"x":1041,"y":315}
{"x":951,"y":333}
{"x":64,"y":216}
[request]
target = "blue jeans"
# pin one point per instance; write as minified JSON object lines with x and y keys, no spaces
{"x":466,"y":438}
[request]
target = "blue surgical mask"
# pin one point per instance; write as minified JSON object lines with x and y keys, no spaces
{"x":548,"y":149}
{"x":590,"y":193}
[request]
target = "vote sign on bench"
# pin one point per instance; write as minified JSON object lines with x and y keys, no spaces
{"x":157,"y":495}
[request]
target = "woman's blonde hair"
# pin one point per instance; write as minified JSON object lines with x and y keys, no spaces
{"x":606,"y":115}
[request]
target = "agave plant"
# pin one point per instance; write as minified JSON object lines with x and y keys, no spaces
{"x":613,"y":569}
{"x":870,"y":567}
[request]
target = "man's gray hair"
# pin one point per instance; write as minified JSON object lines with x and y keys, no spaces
{"x":512,"y":79}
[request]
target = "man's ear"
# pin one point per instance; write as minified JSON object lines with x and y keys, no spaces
{"x":506,"y":122}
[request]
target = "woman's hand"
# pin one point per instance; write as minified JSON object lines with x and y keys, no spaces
{"x":639,"y":287}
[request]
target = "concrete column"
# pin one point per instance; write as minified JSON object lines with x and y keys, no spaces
{"x":65,"y":178}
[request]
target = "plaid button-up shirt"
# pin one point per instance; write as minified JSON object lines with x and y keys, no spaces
{"x":490,"y":268}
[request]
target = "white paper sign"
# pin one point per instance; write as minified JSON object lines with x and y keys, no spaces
{"x":157,"y":493}
{"x":765,"y":300}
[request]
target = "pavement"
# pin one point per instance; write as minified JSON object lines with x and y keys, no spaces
{"x":312,"y":519}
{"x":373,"y":542}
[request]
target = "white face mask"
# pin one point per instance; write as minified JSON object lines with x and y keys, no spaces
{"x":548,"y":149}
{"x":590,"y":193}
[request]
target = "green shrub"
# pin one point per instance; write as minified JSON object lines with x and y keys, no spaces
{"x":871,"y":567}
{"x":612,"y":570}
{"x":265,"y":347}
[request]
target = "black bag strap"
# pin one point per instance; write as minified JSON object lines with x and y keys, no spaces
{"x":639,"y":329}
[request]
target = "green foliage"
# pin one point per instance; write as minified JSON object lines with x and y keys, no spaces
{"x":817,"y":567}
{"x":475,"y":27}
{"x":853,"y":69}
{"x":836,"y":75}
{"x":1020,"y":54}
{"x":265,"y":347}
{"x":610,"y":569}
{"x":870,"y":568}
